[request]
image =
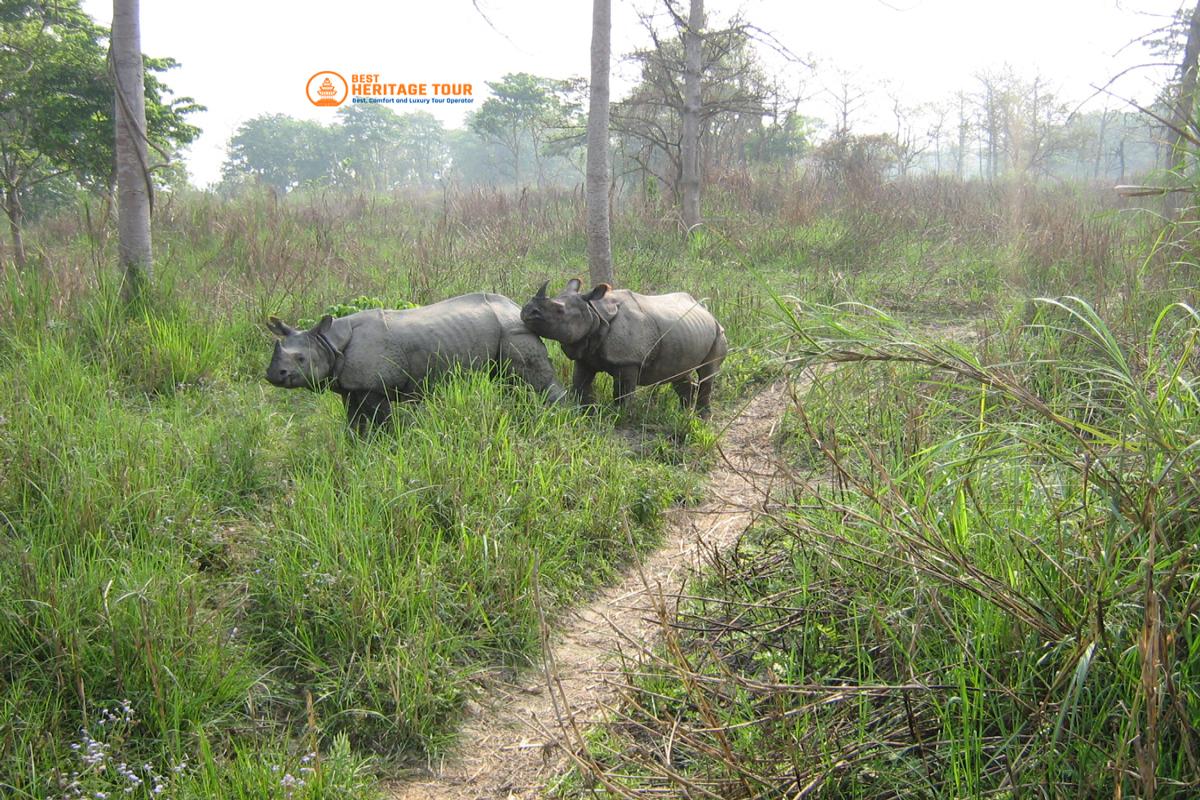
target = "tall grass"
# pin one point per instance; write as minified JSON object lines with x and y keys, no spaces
{"x":279,"y":603}
{"x":994,"y":593}
{"x":899,"y":245}
{"x":244,"y":582}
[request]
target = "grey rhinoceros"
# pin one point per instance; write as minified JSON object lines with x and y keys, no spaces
{"x":372,"y":358}
{"x":639,"y":339}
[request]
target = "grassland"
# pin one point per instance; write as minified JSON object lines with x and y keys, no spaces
{"x":986,"y":585}
{"x":205,"y":577}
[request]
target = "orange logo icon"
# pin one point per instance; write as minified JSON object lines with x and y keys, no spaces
{"x":327,"y":88}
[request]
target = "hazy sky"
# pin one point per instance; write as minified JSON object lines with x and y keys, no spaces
{"x":242,"y":58}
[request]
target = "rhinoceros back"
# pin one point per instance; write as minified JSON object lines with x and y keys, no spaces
{"x":670,"y":333}
{"x":397,"y":350}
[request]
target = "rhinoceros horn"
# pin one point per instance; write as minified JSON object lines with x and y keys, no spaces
{"x":541,"y":293}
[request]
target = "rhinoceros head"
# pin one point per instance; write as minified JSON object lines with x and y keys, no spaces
{"x":302,"y":358}
{"x":570,"y":316}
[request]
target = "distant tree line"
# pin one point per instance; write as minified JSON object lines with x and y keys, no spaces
{"x":1005,"y":126}
{"x":515,"y":138}
{"x":369,"y":147}
{"x":531,"y":133}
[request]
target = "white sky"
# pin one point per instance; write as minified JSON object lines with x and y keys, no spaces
{"x":242,"y":58}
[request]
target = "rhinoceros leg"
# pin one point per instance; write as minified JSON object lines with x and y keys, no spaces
{"x":625,"y":380}
{"x":365,"y":410}
{"x":581,"y":383}
{"x":526,"y":357}
{"x":686,"y":390}
{"x":708,"y":373}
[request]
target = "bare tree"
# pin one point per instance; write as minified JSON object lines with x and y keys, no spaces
{"x":690,"y":143}
{"x":939,"y":114}
{"x":1106,"y":118}
{"x":1025,"y":133}
{"x":990,"y":121}
{"x":964,"y":130}
{"x":847,"y":99}
{"x":907,"y":143}
{"x":1184,"y":116}
{"x":1022,"y":124}
{"x":133,"y":173}
{"x":599,"y":243}
{"x":735,"y":98}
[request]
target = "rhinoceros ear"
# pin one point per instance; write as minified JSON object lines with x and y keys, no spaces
{"x":323,"y":326}
{"x":604,"y":304}
{"x":278,"y":327}
{"x":573,"y":285}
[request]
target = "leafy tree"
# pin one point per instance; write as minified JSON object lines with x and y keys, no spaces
{"x":282,"y":152}
{"x":57,"y":103}
{"x":423,"y":144}
{"x":51,"y":82}
{"x":783,"y":141}
{"x":472,"y":159}
{"x":369,"y":137}
{"x":371,"y":147}
{"x":523,"y":113}
{"x":855,"y":162}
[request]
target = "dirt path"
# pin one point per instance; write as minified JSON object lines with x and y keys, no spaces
{"x":512,"y":744}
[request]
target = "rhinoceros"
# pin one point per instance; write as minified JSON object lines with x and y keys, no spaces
{"x":641,"y":340}
{"x":372,"y":358}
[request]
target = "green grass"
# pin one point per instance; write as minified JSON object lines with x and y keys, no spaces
{"x":971,"y":607}
{"x":224,"y":556}
{"x":276,"y":598}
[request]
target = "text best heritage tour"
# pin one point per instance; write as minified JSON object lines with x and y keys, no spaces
{"x":368,"y":84}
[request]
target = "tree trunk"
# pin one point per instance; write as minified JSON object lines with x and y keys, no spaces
{"x":690,"y":144}
{"x":1100,"y":145}
{"x":963,"y":128}
{"x":1184,"y":118}
{"x":14,"y":212}
{"x":133,"y":175}
{"x":599,"y":243}
{"x":993,"y":143}
{"x":516,"y":151}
